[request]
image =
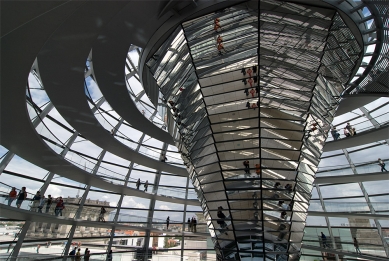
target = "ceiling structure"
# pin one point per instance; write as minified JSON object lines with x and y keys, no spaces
{"x":268,"y":95}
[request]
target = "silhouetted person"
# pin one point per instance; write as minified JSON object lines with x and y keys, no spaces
{"x":246,"y":91}
{"x":288,"y":187}
{"x":194,"y":224}
{"x":356,"y":245}
{"x":21,"y":197}
{"x":87,"y":255}
{"x":146,"y":185}
{"x":35,"y":200}
{"x":189,"y":225}
{"x":109,"y":256}
{"x":248,"y":105}
{"x":49,"y":201}
{"x":324,"y":240}
{"x":382,"y":164}
{"x":246,"y":164}
{"x":102,"y":213}
{"x":221,"y":217}
{"x":138,"y":184}
{"x":167,"y":223}
{"x":243,"y":71}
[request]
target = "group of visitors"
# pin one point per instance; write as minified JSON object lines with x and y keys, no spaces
{"x":348,"y":131}
{"x":138,"y":183}
{"x":246,"y":165}
{"x":75,"y":254}
{"x":38,"y":201}
{"x":192,"y":224}
{"x":251,"y":80}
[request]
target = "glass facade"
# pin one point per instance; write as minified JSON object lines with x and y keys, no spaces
{"x":246,"y":155}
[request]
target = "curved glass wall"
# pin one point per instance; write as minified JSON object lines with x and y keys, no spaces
{"x":349,"y":194}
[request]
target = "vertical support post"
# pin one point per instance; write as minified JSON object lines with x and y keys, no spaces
{"x":21,"y":236}
{"x":327,"y":219}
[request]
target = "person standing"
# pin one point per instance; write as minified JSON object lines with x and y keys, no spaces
{"x":243,"y":71}
{"x":102,"y":213}
{"x":35,"y":200}
{"x":21,"y":197}
{"x":248,"y":105}
{"x":346,"y":132}
{"x":37,"y":249}
{"x":41,"y":204}
{"x":219,"y":39}
{"x":59,"y":207}
{"x":109,"y":256}
{"x":221,"y":217}
{"x":12,"y":196}
{"x":249,"y":71}
{"x":78,"y":255}
{"x":246,"y":91}
{"x":246,"y":164}
{"x":258,"y":169}
{"x":194,"y":225}
{"x":324,"y":240}
{"x":250,"y":81}
{"x":189,"y":225}
{"x":349,"y":128}
{"x":252,"y":91}
{"x":335,"y":133}
{"x":146,"y":185}
{"x":167,"y":223}
{"x":382,"y":164}
{"x":49,"y":201}
{"x":356,"y":245}
{"x":87,"y":255}
{"x":9,"y":247}
{"x":138,"y":184}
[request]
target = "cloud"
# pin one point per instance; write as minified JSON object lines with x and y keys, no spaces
{"x":164,"y":207}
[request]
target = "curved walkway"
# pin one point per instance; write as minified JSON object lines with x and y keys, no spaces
{"x":64,"y":82}
{"x":109,"y":56}
{"x":26,"y":215}
{"x":376,"y":176}
{"x":17,"y":133}
{"x":362,"y":138}
{"x":344,"y":253}
{"x":352,"y":102}
{"x":347,"y":215}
